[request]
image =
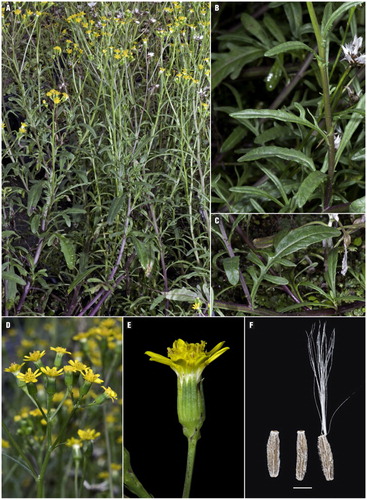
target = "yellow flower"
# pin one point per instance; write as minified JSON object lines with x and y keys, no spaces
{"x":78,"y":366}
{"x":69,"y":369}
{"x":61,"y":350}
{"x":73,"y":442}
{"x":116,"y":466}
{"x":29,"y":376}
{"x":23,"y":128}
{"x":51,"y":372}
{"x":89,"y":376}
{"x":37,"y":412}
{"x":197,"y":305}
{"x":88,"y":434}
{"x":110,"y":393}
{"x":188,"y":360}
{"x":17,"y":12}
{"x":34,"y":356}
{"x":5,"y":443}
{"x":58,"y":49}
{"x":14,"y":368}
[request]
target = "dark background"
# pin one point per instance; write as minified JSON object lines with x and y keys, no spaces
{"x":279,"y":396}
{"x":152,"y":433}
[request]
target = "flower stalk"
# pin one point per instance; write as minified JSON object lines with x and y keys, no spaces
{"x":188,"y":361}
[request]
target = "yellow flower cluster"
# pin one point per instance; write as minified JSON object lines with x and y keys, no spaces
{"x":56,"y":96}
{"x":23,"y":128}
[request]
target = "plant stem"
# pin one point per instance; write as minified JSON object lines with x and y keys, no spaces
{"x":191,"y":450}
{"x":321,"y":60}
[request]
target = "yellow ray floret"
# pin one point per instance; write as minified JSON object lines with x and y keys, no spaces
{"x":188,"y":359}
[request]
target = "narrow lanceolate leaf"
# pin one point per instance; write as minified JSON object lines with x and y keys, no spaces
{"x":232,"y":62}
{"x":233,"y":139}
{"x":277,"y":152}
{"x":254,"y":27}
{"x":301,"y":448}
{"x":273,"y":453}
{"x":330,"y":275}
{"x":34,"y":196}
{"x":68,"y":249}
{"x":181,"y":294}
{"x":287,"y":47}
{"x":326,"y":457}
{"x":115,"y":208}
{"x":11,"y":276}
{"x":232,"y":269}
{"x":308,"y":186}
{"x":335,"y":15}
{"x":276,"y":280}
{"x":275,"y":114}
{"x":350,"y":128}
{"x":302,"y":237}
{"x":255,"y":193}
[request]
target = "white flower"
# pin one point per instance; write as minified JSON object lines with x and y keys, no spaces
{"x":351,"y":52}
{"x":150,"y":54}
{"x":337,"y":140}
{"x":91,"y":4}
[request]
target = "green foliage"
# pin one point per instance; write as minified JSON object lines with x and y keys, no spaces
{"x":290,"y":264}
{"x":297,"y":59}
{"x":106,"y":137}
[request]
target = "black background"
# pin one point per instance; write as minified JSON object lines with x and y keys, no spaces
{"x":279,"y":396}
{"x":152,"y":433}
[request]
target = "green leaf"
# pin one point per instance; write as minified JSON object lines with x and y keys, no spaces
{"x":275,"y":114}
{"x":273,"y":28}
{"x":34,"y":196}
{"x":232,"y":62}
{"x":115,"y":208}
{"x":278,"y":183}
{"x":275,"y":151}
{"x":350,"y":128}
{"x":7,"y":234}
{"x":232,"y":269}
{"x":256,"y":192}
{"x":68,"y":250}
{"x":272,"y":133}
{"x":302,"y":237}
{"x":276,"y":280}
{"x":359,"y":155}
{"x":233,"y":139}
{"x":358,"y":206}
{"x":254,"y":27}
{"x":181,"y":294}
{"x":35,"y":222}
{"x":335,"y":15}
{"x":252,"y":257}
{"x":11,"y":276}
{"x":293,"y":11}
{"x":81,"y":277}
{"x":330,"y":275}
{"x":308,"y":186}
{"x":287,"y":47}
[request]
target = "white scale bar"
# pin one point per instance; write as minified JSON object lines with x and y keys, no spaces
{"x":302,"y":487}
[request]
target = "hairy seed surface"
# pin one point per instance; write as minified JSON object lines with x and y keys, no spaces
{"x":301,"y":448}
{"x":326,"y":457}
{"x":273,"y":453}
